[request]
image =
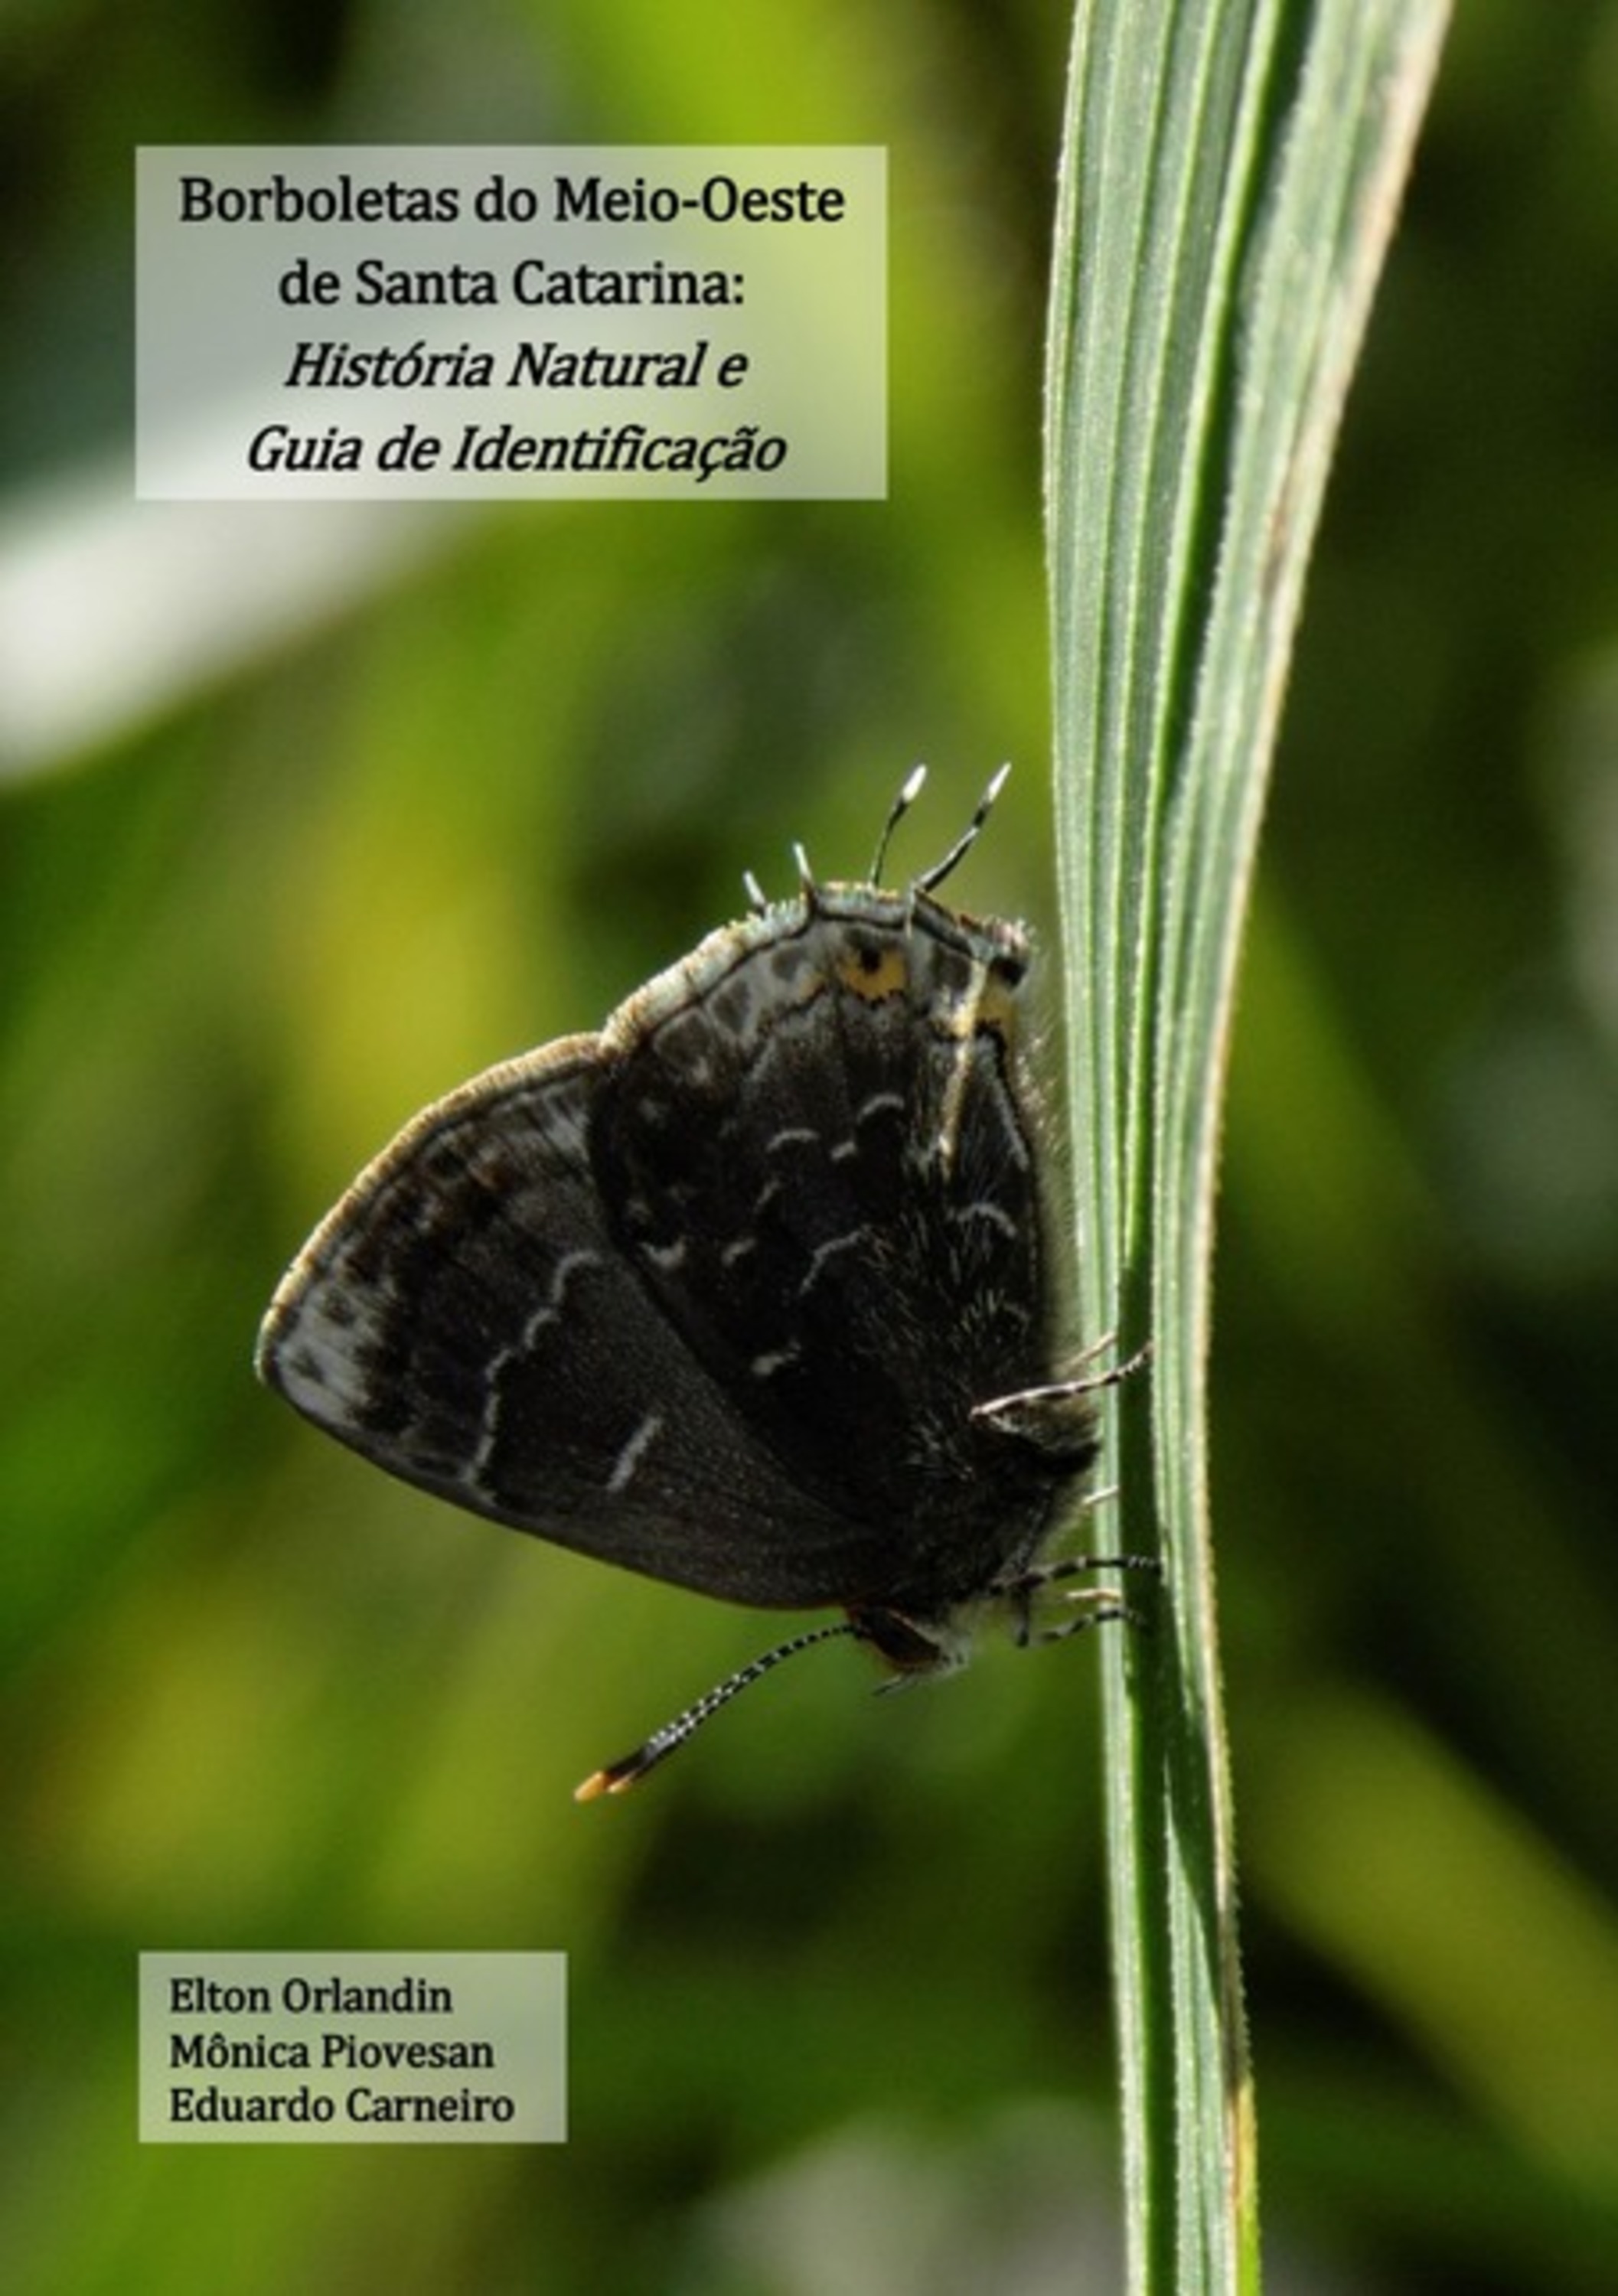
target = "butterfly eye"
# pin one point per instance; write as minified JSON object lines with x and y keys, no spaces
{"x":873,"y":969}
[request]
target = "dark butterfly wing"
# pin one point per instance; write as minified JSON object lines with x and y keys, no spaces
{"x":813,"y":1149}
{"x":464,"y":1319}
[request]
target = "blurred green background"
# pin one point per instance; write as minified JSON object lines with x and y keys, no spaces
{"x":308,"y":814}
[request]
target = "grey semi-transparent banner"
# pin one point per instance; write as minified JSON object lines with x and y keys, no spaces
{"x":353,"y":2048}
{"x":406,"y":321}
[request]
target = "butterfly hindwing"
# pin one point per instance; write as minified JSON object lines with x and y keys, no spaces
{"x":464,"y":1319}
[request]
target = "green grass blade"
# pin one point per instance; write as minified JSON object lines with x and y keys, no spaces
{"x":1230,"y":175}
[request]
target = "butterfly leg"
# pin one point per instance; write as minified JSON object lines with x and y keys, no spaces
{"x":1060,"y":1419}
{"x":1050,"y":1399}
{"x":1099,"y":1605}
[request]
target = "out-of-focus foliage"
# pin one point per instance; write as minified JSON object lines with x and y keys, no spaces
{"x":839,"y":2002}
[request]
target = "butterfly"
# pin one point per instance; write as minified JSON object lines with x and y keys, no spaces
{"x":750,"y":1290}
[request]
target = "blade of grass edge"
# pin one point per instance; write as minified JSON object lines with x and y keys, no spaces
{"x":1229,"y":179}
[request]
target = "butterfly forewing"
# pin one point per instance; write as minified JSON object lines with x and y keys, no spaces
{"x":814,"y":1154}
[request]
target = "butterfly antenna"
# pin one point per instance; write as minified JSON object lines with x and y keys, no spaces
{"x":619,"y":1776}
{"x":964,"y":843}
{"x":896,"y":811}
